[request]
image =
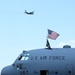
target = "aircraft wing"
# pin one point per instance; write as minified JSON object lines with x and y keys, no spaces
{"x":30,"y":13}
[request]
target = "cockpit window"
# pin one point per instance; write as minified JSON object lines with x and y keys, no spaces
{"x":24,"y":57}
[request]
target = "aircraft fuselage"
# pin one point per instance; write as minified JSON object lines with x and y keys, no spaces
{"x":58,"y":61}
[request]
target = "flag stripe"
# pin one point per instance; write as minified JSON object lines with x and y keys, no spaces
{"x":52,"y":35}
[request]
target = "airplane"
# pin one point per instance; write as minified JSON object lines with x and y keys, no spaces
{"x":58,"y":61}
{"x":30,"y":13}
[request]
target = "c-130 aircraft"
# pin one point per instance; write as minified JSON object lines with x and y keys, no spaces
{"x":29,"y":13}
{"x":58,"y":61}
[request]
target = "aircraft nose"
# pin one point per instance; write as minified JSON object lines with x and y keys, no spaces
{"x":7,"y":71}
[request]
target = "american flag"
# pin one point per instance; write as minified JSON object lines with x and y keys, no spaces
{"x":52,"y":34}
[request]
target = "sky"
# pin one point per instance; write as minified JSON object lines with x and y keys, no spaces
{"x":19,"y":31}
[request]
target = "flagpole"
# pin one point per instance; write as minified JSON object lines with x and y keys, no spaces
{"x":48,"y":44}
